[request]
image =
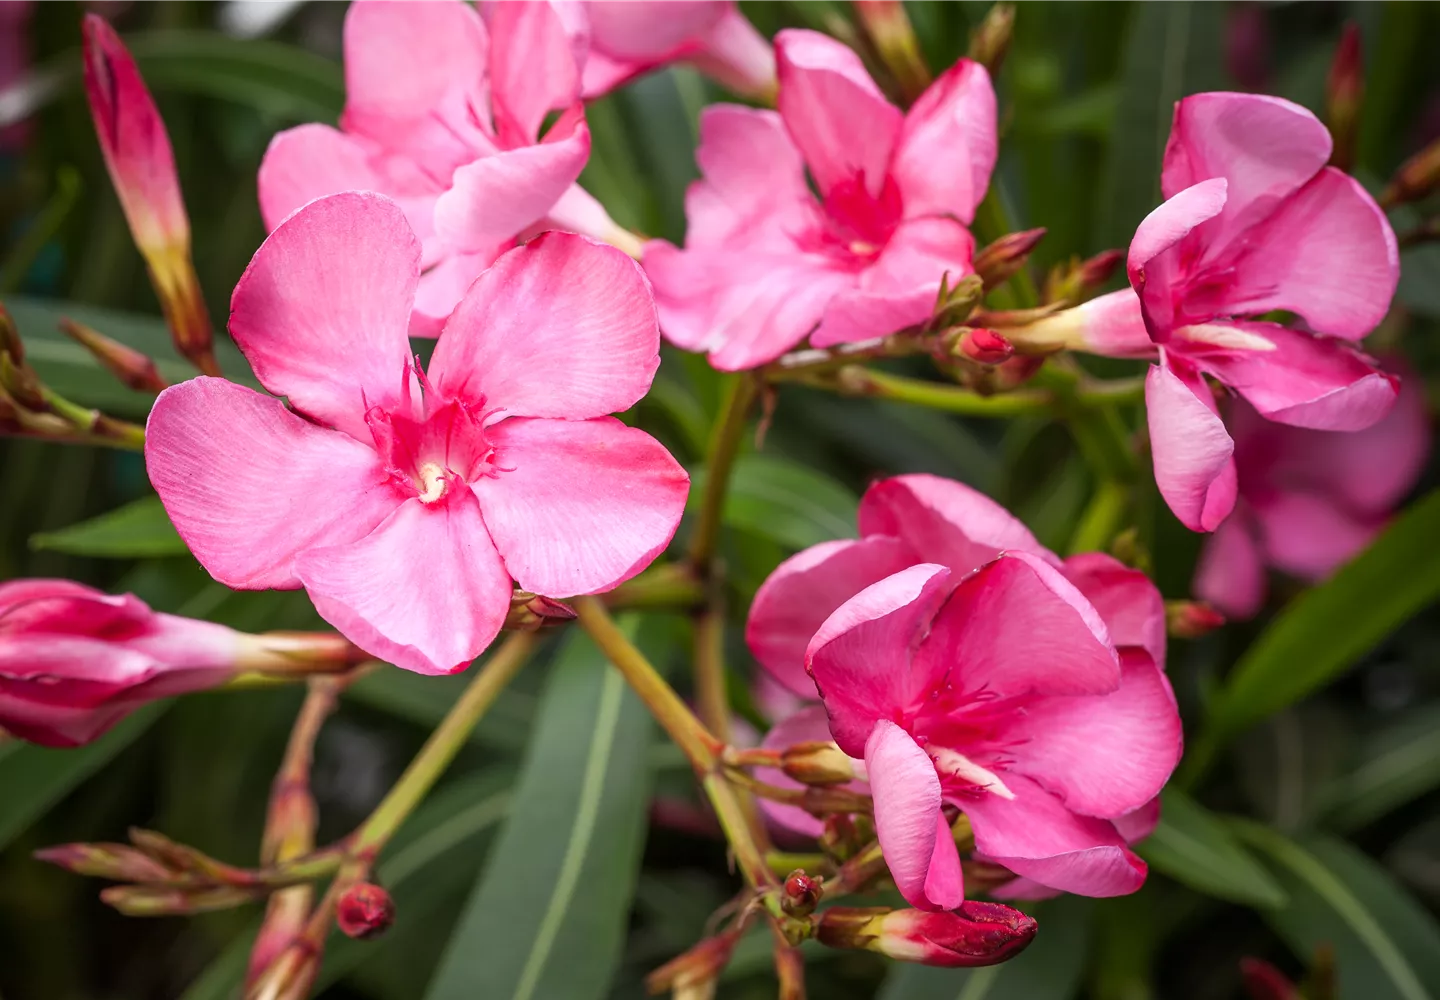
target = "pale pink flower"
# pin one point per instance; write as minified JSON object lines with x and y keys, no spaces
{"x":75,"y":661}
{"x":630,"y":37}
{"x":765,"y":263}
{"x":1309,"y":501}
{"x":406,"y":504}
{"x":1255,"y":223}
{"x":443,"y":113}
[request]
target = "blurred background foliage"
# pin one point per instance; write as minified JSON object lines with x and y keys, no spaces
{"x":1318,"y":826}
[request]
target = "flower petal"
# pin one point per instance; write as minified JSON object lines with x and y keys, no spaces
{"x":322,"y":311}
{"x":948,"y":144}
{"x":647,"y":31}
{"x":1230,"y":574}
{"x":1017,"y":627}
{"x":945,"y":521}
{"x":1128,"y":602}
{"x":1310,"y":536}
{"x":1190,"y":447}
{"x":1113,"y":325}
{"x":1103,"y":755}
{"x":842,"y":123}
{"x":804,"y":590}
{"x":919,"y":848}
{"x":536,"y":53}
{"x":425,"y":590}
{"x":443,"y":286}
{"x":861,"y":656}
{"x":1155,"y":264}
{"x":754,"y":191}
{"x":579,"y":506}
{"x":250,"y":485}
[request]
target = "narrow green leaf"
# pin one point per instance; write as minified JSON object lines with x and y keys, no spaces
{"x":137,"y":530}
{"x":1193,"y":846}
{"x":1398,"y":764}
{"x":784,"y":501}
{"x":547,"y":918}
{"x":1050,"y":969}
{"x":33,"y":779}
{"x":1387,"y":947}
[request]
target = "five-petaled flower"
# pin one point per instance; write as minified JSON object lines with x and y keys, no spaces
{"x":765,"y":263}
{"x":405,"y":502}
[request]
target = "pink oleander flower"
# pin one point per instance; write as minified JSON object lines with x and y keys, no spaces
{"x":75,"y":661}
{"x":1309,"y":501}
{"x":1255,"y":224}
{"x":443,"y":113}
{"x":630,"y":37}
{"x":405,"y":503}
{"x":142,"y":168}
{"x":765,"y":263}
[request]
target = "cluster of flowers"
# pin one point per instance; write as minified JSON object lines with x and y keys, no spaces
{"x":964,"y":668}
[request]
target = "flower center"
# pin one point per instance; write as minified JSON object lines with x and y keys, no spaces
{"x":956,"y":765}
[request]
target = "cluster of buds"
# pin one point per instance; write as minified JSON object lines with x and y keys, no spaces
{"x":975,"y":934}
{"x":1076,"y":280}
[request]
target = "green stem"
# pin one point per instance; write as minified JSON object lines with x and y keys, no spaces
{"x":710,"y":693}
{"x":858,"y":381}
{"x":1101,"y":519}
{"x":671,"y":586}
{"x":724,"y":446}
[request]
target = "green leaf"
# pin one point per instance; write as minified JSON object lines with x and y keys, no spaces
{"x":1387,"y":947}
{"x":1050,"y":969}
{"x":548,"y":916}
{"x":33,"y":779}
{"x":1396,"y":765}
{"x":1328,"y":629}
{"x":137,"y":530}
{"x":1194,"y":847}
{"x":784,"y":501}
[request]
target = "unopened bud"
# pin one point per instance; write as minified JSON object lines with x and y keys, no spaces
{"x":530,"y":613}
{"x":1000,"y":260}
{"x":983,"y":346}
{"x":1078,"y":280}
{"x":1344,"y":90}
{"x":17,"y":379}
{"x":955,"y":303}
{"x":1416,"y":178}
{"x":991,"y":40}
{"x":119,"y":862}
{"x":365,"y":911}
{"x":800,"y":894}
{"x":1265,"y":982}
{"x":127,"y":364}
{"x":844,"y":834}
{"x":817,"y":763}
{"x":169,"y":901}
{"x":975,"y":934}
{"x":1191,"y":619}
{"x":889,"y":28}
{"x":689,"y":973}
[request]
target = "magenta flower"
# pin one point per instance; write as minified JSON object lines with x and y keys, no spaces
{"x":443,"y":113}
{"x":765,"y":263}
{"x":1309,"y":501}
{"x":1255,"y":223}
{"x":630,"y":37}
{"x":404,"y":503}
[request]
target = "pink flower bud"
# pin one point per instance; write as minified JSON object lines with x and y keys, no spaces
{"x":1265,"y":982}
{"x":1344,"y":90}
{"x":1416,"y":178}
{"x":1000,"y":260}
{"x":74,"y":661}
{"x":974,"y":934}
{"x":365,"y":911}
{"x":119,"y":862}
{"x":142,"y":168}
{"x":1191,"y":619}
{"x":984,"y":346}
{"x":800,"y":894}
{"x":127,"y":364}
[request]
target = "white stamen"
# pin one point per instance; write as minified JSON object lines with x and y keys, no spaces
{"x":1220,"y":335}
{"x":965,"y":769}
{"x":432,"y":482}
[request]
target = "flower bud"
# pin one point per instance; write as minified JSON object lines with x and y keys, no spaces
{"x":172,"y":901}
{"x":955,"y":303}
{"x":817,"y":763}
{"x":1079,"y":280}
{"x":1416,"y":178}
{"x":889,"y":29}
{"x":974,"y":934}
{"x":1000,"y":260}
{"x":983,"y":346}
{"x":1265,"y":982}
{"x":1191,"y":619}
{"x":1344,"y":90}
{"x":690,"y":973}
{"x":800,"y":894}
{"x":365,"y":911}
{"x":127,"y":364}
{"x":844,"y":834}
{"x":991,"y":40}
{"x":119,"y":862}
{"x":530,"y":613}
{"x":142,"y":168}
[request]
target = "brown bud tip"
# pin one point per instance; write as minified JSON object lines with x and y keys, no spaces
{"x":365,"y":911}
{"x":991,"y":40}
{"x":976,"y":934}
{"x":984,"y":346}
{"x":817,"y":763}
{"x":1191,"y":619}
{"x":801,"y":894}
{"x":997,"y":262}
{"x":1265,"y":982}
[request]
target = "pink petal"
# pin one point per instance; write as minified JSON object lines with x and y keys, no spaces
{"x":647,"y":31}
{"x":1327,"y":253}
{"x":1156,"y":264}
{"x":560,"y":327}
{"x":736,"y":56}
{"x":1126,"y":599}
{"x":311,"y":161}
{"x":1305,"y":381}
{"x":495,"y":197}
{"x":1017,"y":627}
{"x":861,"y":658}
{"x":1230,"y":574}
{"x":1103,"y":755}
{"x":842,"y":123}
{"x":535,"y":65}
{"x":948,"y":144}
{"x":1113,"y":325}
{"x":754,"y":191}
{"x":900,"y":288}
{"x":1034,"y":835}
{"x":944,"y":521}
{"x":804,"y":590}
{"x":443,"y":286}
{"x":1138,"y":824}
{"x":919,"y":848}
{"x":425,"y":590}
{"x":805,"y":725}
{"x":321,"y":312}
{"x":1310,"y":536}
{"x":579,"y":506}
{"x":1191,"y":449}
{"x":250,"y":485}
